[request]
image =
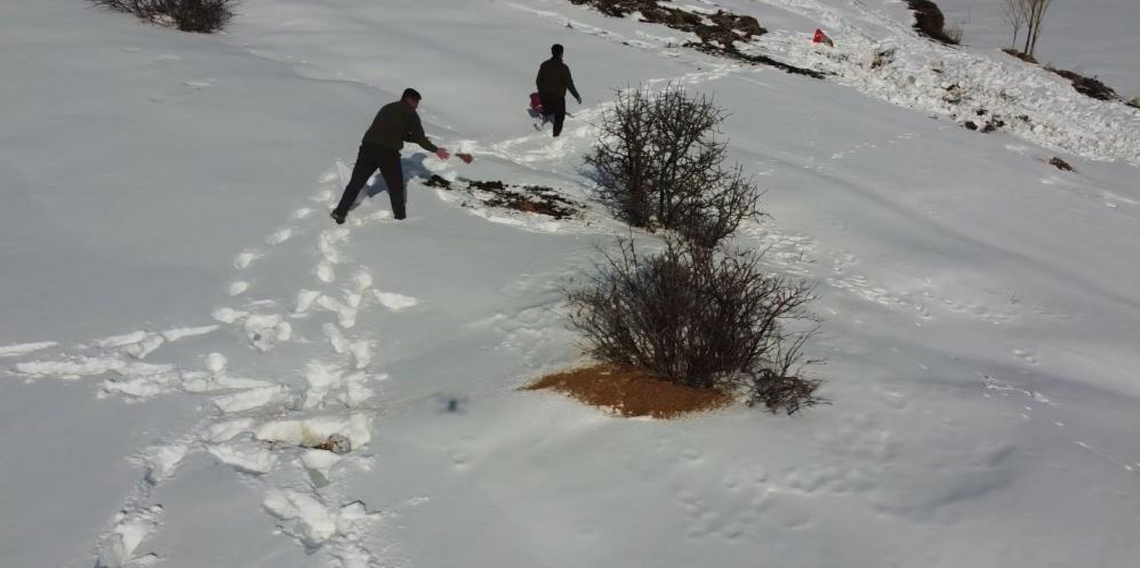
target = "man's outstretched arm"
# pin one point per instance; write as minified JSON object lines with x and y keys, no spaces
{"x":417,"y":135}
{"x":570,"y":86}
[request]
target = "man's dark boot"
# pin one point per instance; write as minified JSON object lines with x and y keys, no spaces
{"x":338,"y":216}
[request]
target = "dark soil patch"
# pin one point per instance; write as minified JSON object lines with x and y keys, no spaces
{"x":535,"y":199}
{"x":1088,"y":86}
{"x":1061,"y":164}
{"x":1022,"y":56}
{"x":718,"y":32}
{"x":732,"y":53}
{"x":631,"y":392}
{"x":985,"y":126}
{"x":929,"y":21}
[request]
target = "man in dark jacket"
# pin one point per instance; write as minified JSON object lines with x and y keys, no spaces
{"x":553,"y":81}
{"x":395,"y":124}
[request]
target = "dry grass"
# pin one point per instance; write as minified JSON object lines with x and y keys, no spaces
{"x":631,"y":392}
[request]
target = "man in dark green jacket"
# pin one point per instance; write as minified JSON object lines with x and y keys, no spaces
{"x":395,"y":124}
{"x":553,"y":81}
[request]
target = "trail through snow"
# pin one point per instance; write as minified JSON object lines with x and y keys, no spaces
{"x":302,"y":436}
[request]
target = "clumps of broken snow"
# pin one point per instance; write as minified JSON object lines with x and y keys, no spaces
{"x":961,"y":86}
{"x":118,"y":548}
{"x":316,"y":432}
{"x":313,"y":523}
{"x":18,"y":349}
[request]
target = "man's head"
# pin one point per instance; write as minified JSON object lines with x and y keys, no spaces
{"x":411,"y":97}
{"x":556,"y":50}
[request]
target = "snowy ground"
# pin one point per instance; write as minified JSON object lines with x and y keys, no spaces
{"x":179,"y":319}
{"x":1093,"y":37}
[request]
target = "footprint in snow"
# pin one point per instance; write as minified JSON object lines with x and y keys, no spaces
{"x":279,"y":236}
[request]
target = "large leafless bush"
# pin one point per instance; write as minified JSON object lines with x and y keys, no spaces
{"x":659,"y":166}
{"x":202,"y":16}
{"x":709,"y":319}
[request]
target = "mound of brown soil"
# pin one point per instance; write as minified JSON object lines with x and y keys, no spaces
{"x":631,"y":392}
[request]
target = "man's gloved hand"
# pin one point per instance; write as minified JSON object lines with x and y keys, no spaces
{"x":442,"y":153}
{"x":579,"y":98}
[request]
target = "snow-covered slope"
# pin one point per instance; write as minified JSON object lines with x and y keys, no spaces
{"x":179,"y":320}
{"x":1093,"y":37}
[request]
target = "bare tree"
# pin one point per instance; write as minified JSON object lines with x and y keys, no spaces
{"x":659,"y":166}
{"x":1013,"y":13}
{"x":1034,"y":18}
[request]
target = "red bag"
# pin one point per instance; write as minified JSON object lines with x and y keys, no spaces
{"x":821,"y":37}
{"x":536,"y":102}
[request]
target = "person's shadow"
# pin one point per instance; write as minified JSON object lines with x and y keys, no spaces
{"x":413,"y":167}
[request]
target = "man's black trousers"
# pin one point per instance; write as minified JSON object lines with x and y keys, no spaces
{"x":554,"y":106}
{"x":368,"y":160}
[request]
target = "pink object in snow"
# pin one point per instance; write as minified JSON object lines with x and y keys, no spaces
{"x":821,"y":37}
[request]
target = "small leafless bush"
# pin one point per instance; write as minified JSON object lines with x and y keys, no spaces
{"x":201,"y":16}
{"x":954,"y":31}
{"x":659,"y":166}
{"x":929,"y":21}
{"x":708,"y":319}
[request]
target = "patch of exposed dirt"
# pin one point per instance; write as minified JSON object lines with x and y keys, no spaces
{"x":984,"y":124}
{"x":1088,"y":86}
{"x":718,"y":32}
{"x":631,"y":392}
{"x":1061,"y":164}
{"x":536,"y":199}
{"x":1018,"y":54}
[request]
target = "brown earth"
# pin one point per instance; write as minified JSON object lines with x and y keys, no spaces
{"x":631,"y":392}
{"x":718,"y":33}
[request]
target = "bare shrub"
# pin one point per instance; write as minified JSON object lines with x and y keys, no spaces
{"x":202,"y":16}
{"x":954,"y":31}
{"x":659,"y":166}
{"x":708,"y":319}
{"x":1013,"y":13}
{"x":929,"y":21}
